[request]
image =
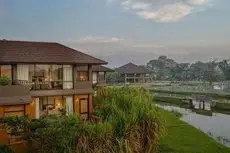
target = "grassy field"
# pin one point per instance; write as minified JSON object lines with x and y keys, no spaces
{"x":173,"y":100}
{"x":183,"y":138}
{"x":188,"y":93}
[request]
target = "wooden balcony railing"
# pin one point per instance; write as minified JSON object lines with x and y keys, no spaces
{"x":101,"y":83}
{"x":41,"y":85}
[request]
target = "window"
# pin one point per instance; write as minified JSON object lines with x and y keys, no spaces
{"x":14,"y":110}
{"x":84,"y":108}
{"x":82,"y":76}
{"x":51,"y":105}
{"x":82,"y":73}
{"x":6,"y":70}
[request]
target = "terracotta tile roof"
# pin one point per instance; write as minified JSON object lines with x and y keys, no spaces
{"x":95,"y":68}
{"x":100,"y":68}
{"x":42,"y":52}
{"x":132,"y":68}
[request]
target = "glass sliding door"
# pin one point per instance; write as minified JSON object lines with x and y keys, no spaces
{"x":69,"y":104}
{"x":56,"y":76}
{"x":48,"y":77}
{"x":42,"y":77}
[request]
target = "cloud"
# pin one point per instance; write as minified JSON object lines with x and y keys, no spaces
{"x":100,"y":39}
{"x":164,"y":10}
{"x":168,"y":13}
{"x":109,"y":1}
{"x":138,"y":5}
{"x":197,"y":2}
{"x":115,"y":40}
{"x":144,"y":45}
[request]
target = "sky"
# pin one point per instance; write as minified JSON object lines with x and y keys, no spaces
{"x":122,"y":31}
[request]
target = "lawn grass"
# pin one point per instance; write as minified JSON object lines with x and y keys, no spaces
{"x":183,"y":138}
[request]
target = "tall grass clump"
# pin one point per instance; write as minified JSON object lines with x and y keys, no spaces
{"x":135,"y":122}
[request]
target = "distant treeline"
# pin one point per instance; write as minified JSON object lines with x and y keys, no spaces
{"x":165,"y":68}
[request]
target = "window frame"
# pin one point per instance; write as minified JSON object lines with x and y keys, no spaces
{"x":88,"y":105}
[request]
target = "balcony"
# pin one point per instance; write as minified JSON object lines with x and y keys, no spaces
{"x":101,"y":83}
{"x":44,"y":85}
{"x":53,"y":85}
{"x":83,"y":85}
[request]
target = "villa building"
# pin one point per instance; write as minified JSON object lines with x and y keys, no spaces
{"x":46,"y":78}
{"x":132,"y":73}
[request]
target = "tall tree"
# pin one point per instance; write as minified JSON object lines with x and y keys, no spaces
{"x":225,"y":67}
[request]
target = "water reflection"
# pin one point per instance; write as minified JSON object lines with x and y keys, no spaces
{"x":216,"y":126}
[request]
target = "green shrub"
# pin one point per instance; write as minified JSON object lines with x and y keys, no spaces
{"x":5,"y":149}
{"x":52,"y":134}
{"x":5,"y":80}
{"x":129,"y":123}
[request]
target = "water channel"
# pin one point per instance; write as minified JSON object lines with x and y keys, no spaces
{"x":216,"y":126}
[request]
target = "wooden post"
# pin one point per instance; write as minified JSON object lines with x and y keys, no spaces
{"x":125,"y":79}
{"x":98,"y":77}
{"x":134,"y":78}
{"x":75,"y":77}
{"x":143,"y":79}
{"x":105,"y":78}
{"x":90,"y":73}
